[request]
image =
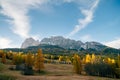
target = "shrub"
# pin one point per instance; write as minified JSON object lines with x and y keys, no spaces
{"x":28,"y":71}
{"x":117,"y":72}
{"x":100,"y":69}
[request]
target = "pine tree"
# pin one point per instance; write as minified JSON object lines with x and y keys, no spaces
{"x":39,"y":61}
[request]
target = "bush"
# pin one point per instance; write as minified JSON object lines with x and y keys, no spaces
{"x":28,"y":71}
{"x":117,"y":72}
{"x":100,"y":69}
{"x":20,"y":67}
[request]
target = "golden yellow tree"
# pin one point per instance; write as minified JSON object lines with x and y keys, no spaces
{"x":17,"y":60}
{"x":29,"y":60}
{"x":93,"y":58}
{"x":1,"y":52}
{"x":39,"y":61}
{"x":61,"y":58}
{"x":88,"y":58}
{"x":77,"y":64}
{"x":3,"y":60}
{"x":9,"y":55}
{"x":68,"y":59}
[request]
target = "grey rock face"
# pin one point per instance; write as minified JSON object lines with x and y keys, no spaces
{"x":93,"y":45}
{"x":64,"y":43}
{"x":30,"y":42}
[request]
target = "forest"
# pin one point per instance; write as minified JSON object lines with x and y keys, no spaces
{"x":80,"y":64}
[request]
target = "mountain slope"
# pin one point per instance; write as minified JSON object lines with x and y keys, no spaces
{"x":29,"y":42}
{"x":62,"y":42}
{"x":72,"y":44}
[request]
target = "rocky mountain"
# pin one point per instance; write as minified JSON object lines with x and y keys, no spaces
{"x":71,"y":44}
{"x":62,"y":42}
{"x":94,"y":45}
{"x":30,"y":42}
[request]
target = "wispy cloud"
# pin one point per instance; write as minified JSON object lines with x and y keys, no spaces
{"x":114,"y":43}
{"x":88,"y":13}
{"x":16,"y":11}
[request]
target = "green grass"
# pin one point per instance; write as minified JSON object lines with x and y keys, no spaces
{"x":6,"y":77}
{"x":2,"y":67}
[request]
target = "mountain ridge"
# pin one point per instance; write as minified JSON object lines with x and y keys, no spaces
{"x":64,"y":43}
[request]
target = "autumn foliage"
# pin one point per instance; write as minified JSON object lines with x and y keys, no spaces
{"x":77,"y":64}
{"x":39,"y":61}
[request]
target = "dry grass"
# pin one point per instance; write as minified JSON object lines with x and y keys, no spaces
{"x":59,"y":69}
{"x":54,"y":72}
{"x":61,"y":72}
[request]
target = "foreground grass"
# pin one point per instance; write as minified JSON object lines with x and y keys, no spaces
{"x":52,"y":72}
{"x":3,"y":75}
{"x":60,"y":72}
{"x":6,"y":77}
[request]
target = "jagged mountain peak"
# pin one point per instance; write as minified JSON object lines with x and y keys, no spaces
{"x":30,"y":42}
{"x":64,"y":43}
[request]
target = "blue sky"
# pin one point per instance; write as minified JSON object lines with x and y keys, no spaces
{"x":85,"y":20}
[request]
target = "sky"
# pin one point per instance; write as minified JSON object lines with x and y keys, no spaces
{"x":85,"y":20}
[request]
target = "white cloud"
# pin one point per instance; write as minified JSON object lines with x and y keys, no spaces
{"x":114,"y":43}
{"x":88,"y":12}
{"x":16,"y":11}
{"x":6,"y":43}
